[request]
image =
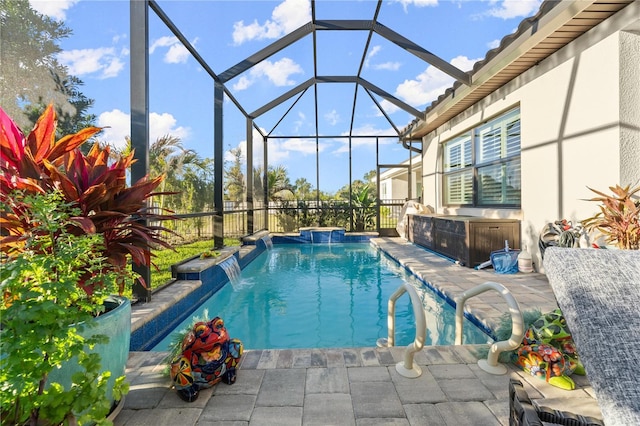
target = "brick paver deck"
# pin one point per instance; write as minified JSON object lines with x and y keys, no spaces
{"x":360,"y":386}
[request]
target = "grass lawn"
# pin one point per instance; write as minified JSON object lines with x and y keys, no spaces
{"x":165,"y":258}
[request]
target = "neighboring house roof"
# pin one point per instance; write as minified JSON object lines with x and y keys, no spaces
{"x":416,"y":162}
{"x":556,"y":24}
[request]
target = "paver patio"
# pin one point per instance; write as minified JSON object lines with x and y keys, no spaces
{"x":360,"y":386}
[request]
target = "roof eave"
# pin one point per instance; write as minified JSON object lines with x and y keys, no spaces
{"x":552,"y":16}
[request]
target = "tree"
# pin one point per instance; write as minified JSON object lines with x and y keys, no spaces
{"x":235,"y":185}
{"x":28,"y":48}
{"x":258,"y":185}
{"x":371,"y":177}
{"x":356,"y":187}
{"x":364,"y":213}
{"x":303,"y":189}
{"x":278,"y":184}
{"x":167,"y":156}
{"x":196,"y":189}
{"x":68,"y":122}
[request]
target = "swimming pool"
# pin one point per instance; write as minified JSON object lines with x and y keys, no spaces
{"x":322,"y":296}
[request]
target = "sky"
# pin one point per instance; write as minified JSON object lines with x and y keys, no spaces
{"x":224,"y":33}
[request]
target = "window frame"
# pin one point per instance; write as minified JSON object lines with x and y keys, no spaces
{"x":485,"y":157}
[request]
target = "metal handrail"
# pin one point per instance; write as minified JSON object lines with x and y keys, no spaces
{"x":490,"y":365}
{"x":406,"y":368}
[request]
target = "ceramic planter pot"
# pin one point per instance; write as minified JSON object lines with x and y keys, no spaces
{"x":116,"y":325}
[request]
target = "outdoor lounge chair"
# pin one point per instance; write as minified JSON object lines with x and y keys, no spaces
{"x":598,"y":291}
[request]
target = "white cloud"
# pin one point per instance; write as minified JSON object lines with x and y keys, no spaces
{"x":431,"y":83}
{"x":55,"y":9}
{"x":364,"y":130}
{"x":102,"y":60}
{"x":162,"y":42}
{"x":229,"y":157}
{"x":176,"y":54}
{"x":303,"y":146}
{"x":374,"y":51}
{"x":281,"y":150}
{"x":286,"y":17}
{"x":391,"y":66}
{"x":242,"y":84}
{"x":515,"y":8}
{"x":257,"y":139}
{"x":165,"y":124}
{"x":416,"y":3}
{"x":388,"y":107}
{"x":277,"y":153}
{"x":493,"y":44}
{"x":332,"y":117}
{"x":119,"y":127}
{"x":116,"y":38}
{"x":301,"y":121}
{"x":277,"y":73}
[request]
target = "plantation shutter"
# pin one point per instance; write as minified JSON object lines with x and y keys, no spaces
{"x":458,"y":153}
{"x":496,"y":164}
{"x":459,"y":188}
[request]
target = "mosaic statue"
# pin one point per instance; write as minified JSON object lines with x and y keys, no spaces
{"x":548,"y":352}
{"x":208,"y":356}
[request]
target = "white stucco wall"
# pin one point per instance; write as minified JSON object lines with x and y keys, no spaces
{"x":580,"y":123}
{"x":630,"y":106}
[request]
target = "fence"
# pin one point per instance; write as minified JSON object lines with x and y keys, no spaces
{"x":285,"y":216}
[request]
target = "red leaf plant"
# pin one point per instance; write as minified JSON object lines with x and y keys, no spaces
{"x":619,"y":217}
{"x":93,"y":182}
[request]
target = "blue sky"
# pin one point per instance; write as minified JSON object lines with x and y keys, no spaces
{"x":226,"y":32}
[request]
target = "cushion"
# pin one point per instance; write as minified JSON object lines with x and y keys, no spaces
{"x":598,"y":291}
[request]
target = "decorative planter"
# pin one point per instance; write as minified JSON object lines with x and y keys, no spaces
{"x":116,"y":325}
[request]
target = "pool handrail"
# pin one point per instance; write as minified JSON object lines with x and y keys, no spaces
{"x":491,"y":365}
{"x":406,"y":368}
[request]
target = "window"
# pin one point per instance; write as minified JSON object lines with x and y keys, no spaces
{"x":482,"y":166}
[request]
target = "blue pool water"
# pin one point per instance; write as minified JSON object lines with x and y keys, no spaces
{"x":324,"y":296}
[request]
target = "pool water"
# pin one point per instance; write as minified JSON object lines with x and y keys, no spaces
{"x":324,"y":296}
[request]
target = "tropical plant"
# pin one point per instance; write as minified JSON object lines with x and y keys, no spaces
{"x":619,"y":217}
{"x":278,"y":184}
{"x":235,"y":186}
{"x":92,"y":182}
{"x":168,"y":157}
{"x":363,"y":209}
{"x":45,"y":311}
{"x":70,"y":226}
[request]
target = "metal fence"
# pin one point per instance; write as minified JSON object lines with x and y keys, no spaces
{"x":283,"y":217}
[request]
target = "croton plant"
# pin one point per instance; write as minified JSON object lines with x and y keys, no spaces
{"x":619,"y":217}
{"x":95,"y":183}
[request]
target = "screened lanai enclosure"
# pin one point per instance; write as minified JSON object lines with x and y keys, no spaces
{"x":249,"y":190}
{"x":262,"y":115}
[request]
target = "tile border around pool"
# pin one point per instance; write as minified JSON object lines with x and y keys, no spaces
{"x":482,"y":325}
{"x":152,"y":321}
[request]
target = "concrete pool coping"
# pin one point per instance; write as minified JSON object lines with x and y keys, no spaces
{"x":357,"y":385}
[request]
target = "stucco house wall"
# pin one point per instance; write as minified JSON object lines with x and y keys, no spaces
{"x":580,"y":128}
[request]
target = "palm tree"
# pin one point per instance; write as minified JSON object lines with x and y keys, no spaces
{"x":278,"y":184}
{"x":168,"y":156}
{"x":234,"y":184}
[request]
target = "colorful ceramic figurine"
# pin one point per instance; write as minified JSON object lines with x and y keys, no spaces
{"x":548,"y":351}
{"x":208,"y":357}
